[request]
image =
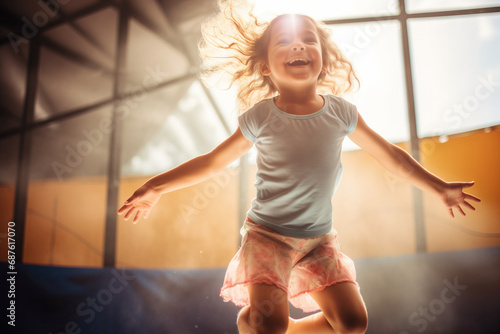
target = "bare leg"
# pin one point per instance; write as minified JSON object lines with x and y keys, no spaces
{"x":343,"y":311}
{"x":243,"y":321}
{"x":315,"y":323}
{"x":267,"y":313}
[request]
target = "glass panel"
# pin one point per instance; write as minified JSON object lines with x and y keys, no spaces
{"x":375,"y":52}
{"x":168,"y":127}
{"x":146,"y":68}
{"x":76,"y":68}
{"x":162,"y":130}
{"x":327,"y":9}
{"x":66,"y":206}
{"x":12,"y":84}
{"x":413,"y":6}
{"x":456,"y":73}
{"x":226,"y":101}
{"x":9,"y":150}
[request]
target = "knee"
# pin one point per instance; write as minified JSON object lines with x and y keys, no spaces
{"x":267,"y":323}
{"x":352,"y":323}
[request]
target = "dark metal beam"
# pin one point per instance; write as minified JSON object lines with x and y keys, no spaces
{"x":416,"y":15}
{"x":459,"y":12}
{"x":418,"y":205}
{"x":114,"y":163}
{"x":74,"y":56}
{"x":216,"y":108}
{"x":87,"y":36}
{"x":15,"y":24}
{"x":243,"y":192}
{"x":80,"y":111}
{"x":23,"y":167}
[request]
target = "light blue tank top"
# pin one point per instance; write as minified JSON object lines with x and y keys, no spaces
{"x":298,"y":164}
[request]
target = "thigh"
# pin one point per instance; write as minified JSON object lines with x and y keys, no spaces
{"x":268,"y":308}
{"x":343,"y":307}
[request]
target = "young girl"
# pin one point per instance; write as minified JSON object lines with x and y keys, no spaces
{"x":289,"y":250}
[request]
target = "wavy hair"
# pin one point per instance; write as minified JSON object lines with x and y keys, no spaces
{"x":234,"y":43}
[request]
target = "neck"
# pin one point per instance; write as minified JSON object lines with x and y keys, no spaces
{"x":297,"y":96}
{"x":301,"y":102}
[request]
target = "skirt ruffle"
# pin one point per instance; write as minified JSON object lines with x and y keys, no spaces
{"x":297,"y":266}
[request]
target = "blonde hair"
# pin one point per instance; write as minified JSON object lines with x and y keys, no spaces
{"x":234,"y":43}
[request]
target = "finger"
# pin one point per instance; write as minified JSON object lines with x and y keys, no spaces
{"x":469,"y":206}
{"x":466,"y":184}
{"x":131,"y":199}
{"x":450,"y":210}
{"x":472,"y":197}
{"x":137,"y":216}
{"x":146,"y":214}
{"x":130,"y":213}
{"x":461,"y":210}
{"x":122,"y":209}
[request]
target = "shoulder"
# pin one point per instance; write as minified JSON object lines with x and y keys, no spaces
{"x":337,"y":101}
{"x":257,"y":111}
{"x":254,"y":119}
{"x":263,"y":105}
{"x":343,"y":110}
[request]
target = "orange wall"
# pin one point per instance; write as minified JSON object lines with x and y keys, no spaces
{"x":195,"y":227}
{"x":373,"y":208}
{"x":198,"y":226}
{"x":65,"y":222}
{"x":192,"y":228}
{"x":6,"y":214}
{"x":468,"y":158}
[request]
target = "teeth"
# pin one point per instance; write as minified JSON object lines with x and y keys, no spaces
{"x":298,"y":59}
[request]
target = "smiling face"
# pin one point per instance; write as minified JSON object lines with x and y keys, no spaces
{"x":294,"y":58}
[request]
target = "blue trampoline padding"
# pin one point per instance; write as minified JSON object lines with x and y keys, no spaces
{"x":105,"y":300}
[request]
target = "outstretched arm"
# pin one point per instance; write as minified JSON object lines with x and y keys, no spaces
{"x":399,"y":162}
{"x":189,"y":173}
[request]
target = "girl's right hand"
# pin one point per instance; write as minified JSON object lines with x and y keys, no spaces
{"x":140,"y":203}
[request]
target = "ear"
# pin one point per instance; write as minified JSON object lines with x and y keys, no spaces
{"x":264,"y":69}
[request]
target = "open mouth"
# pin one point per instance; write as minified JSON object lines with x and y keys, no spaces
{"x":298,"y":62}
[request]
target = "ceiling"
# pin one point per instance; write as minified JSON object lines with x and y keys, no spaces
{"x":168,"y":116}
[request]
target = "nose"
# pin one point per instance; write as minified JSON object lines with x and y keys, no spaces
{"x":298,"y":47}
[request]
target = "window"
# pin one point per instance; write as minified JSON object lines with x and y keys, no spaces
{"x":327,"y":9}
{"x":66,"y":204}
{"x":456,"y":73}
{"x":374,"y":49}
{"x":414,"y":6}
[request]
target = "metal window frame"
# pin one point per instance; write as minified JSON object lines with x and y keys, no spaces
{"x":402,"y":18}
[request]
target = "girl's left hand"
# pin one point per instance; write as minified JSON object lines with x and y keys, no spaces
{"x":453,"y":196}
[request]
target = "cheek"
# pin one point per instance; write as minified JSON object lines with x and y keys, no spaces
{"x":277,"y":59}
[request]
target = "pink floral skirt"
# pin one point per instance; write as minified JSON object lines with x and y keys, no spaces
{"x":297,"y":266}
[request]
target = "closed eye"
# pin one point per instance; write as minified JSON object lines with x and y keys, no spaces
{"x":283,"y":41}
{"x":310,"y":39}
